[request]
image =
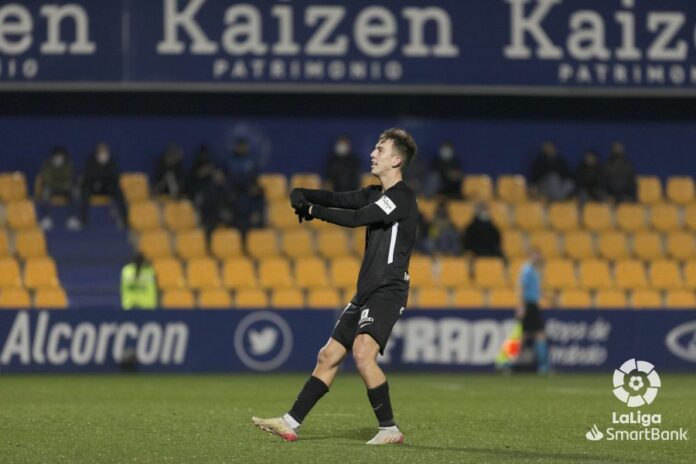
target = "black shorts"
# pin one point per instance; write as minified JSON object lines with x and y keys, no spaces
{"x":376,"y":318}
{"x":532,"y":321}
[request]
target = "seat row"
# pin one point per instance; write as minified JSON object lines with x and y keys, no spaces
{"x":25,"y":243}
{"x":44,"y":297}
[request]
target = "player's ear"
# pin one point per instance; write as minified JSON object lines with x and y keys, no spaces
{"x":396,"y":161}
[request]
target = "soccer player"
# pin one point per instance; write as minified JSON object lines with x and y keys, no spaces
{"x":528,"y":310}
{"x":390,"y":214}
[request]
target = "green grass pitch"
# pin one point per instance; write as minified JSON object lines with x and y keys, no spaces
{"x":452,"y":418}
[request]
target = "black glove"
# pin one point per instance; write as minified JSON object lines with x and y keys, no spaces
{"x":297,"y":198}
{"x":302,"y":211}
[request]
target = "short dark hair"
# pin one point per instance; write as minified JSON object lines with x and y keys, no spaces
{"x":403,"y":143}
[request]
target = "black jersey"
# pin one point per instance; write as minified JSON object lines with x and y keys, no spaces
{"x":391,"y":218}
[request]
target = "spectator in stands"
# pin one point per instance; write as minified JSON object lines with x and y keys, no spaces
{"x":343,"y":169}
{"x":620,"y":174}
{"x":201,"y":172}
{"x":448,"y":171}
{"x":422,"y":243}
{"x":213,"y":202}
{"x":589,"y":178}
{"x":442,"y":235}
{"x":550,"y":177}
{"x":57,"y":179}
{"x":101,"y":177}
{"x":169,"y":173}
{"x":248,"y":208}
{"x":481,"y":237}
{"x":420,"y":178}
{"x":242,"y":167}
{"x":138,"y":284}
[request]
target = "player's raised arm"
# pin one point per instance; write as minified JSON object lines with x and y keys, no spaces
{"x":346,"y":200}
{"x":386,"y":210}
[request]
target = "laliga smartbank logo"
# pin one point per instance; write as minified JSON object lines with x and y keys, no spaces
{"x":636,"y":384}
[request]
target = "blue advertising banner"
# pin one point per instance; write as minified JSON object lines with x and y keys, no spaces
{"x":239,"y":341}
{"x":436,"y":46}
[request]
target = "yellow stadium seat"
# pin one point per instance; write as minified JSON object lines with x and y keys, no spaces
{"x":690,"y":274}
{"x":190,"y":244}
{"x":575,"y":298}
{"x":169,"y":272}
{"x":546,"y":242}
{"x":274,"y":272}
{"x":368,"y":179}
{"x":177,"y":299}
{"x":681,"y":245}
{"x":630,"y":274}
{"x":460,"y":213}
{"x":40,"y":272}
{"x":514,"y":268}
{"x":202,"y":273}
{"x":344,"y":272}
{"x":630,"y":217}
{"x":468,"y":298}
{"x":434,"y":298}
{"x":597,"y":216}
{"x":564,"y":216}
{"x":297,"y":243}
{"x":30,"y":243}
{"x":646,"y":299}
{"x":664,"y":217}
{"x":21,"y":214}
{"x":559,"y":274}
{"x":261,"y":243}
{"x":680,"y":299}
{"x":4,"y":243}
{"x":513,"y":244}
{"x":50,"y":298}
{"x":358,"y":241}
{"x":251,"y":298}
{"x":310,"y":272}
{"x":144,"y":215}
{"x":238,"y":272}
{"x":647,"y":245}
{"x":512,"y":188}
{"x":11,"y":297}
{"x":332,"y":243}
{"x":665,"y":275}
{"x":680,"y":189}
{"x":155,"y":243}
{"x":503,"y":298}
{"x":281,"y":215}
{"x":489,"y":273}
{"x":134,"y":186}
{"x":477,"y":187}
{"x":427,"y":208}
{"x":214,"y":298}
{"x":421,"y":270}
{"x":290,"y":298}
{"x":530,"y":216}
{"x":307,"y":180}
{"x":179,"y":215}
{"x":611,"y":299}
{"x":500,"y":214}
{"x":274,"y":185}
{"x":594,"y":274}
{"x":613,"y":245}
{"x":323,"y":298}
{"x":690,"y":216}
{"x":649,"y":189}
{"x":226,"y":243}
{"x":454,"y":272}
{"x":578,"y":244}
{"x":13,"y":187}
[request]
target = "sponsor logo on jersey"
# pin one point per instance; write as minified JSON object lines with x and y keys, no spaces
{"x":386,"y":204}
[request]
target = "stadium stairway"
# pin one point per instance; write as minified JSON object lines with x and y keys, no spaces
{"x":89,"y":261}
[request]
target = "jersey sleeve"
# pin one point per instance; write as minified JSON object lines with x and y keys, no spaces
{"x":388,"y":208}
{"x":346,"y":200}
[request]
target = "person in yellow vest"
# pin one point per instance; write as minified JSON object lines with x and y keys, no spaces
{"x":138,"y":284}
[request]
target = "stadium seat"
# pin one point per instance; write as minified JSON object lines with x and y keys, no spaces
{"x":597,"y":217}
{"x":251,"y":298}
{"x":427,"y":208}
{"x":214,"y":298}
{"x":310,"y":272}
{"x":4,"y":243}
{"x":134,"y":186}
{"x":21,"y":214}
{"x":665,"y":275}
{"x":690,"y":216}
{"x":530,"y":216}
{"x":500,"y":214}
{"x":40,"y":272}
{"x":287,"y":298}
{"x":664,"y":217}
{"x":578,"y":244}
{"x":575,"y":299}
{"x":681,"y":245}
{"x":564,"y":216}
{"x":11,"y":297}
{"x":155,"y":243}
{"x":281,"y":215}
{"x":433,"y":298}
{"x":332,"y":243}
{"x":179,"y":215}
{"x":144,"y":215}
{"x":468,"y":298}
{"x":319,"y":298}
{"x":630,"y":217}
{"x":262,"y":243}
{"x":489,"y":273}
{"x":169,"y":272}
{"x":647,"y":245}
{"x":559,"y":274}
{"x":680,"y":189}
{"x":594,"y":274}
{"x":13,"y":187}
{"x":546,"y":241}
{"x":202,"y":273}
{"x":421,"y":271}
{"x":454,"y":272}
{"x":612,"y":245}
{"x":646,"y":299}
{"x":460,"y":213}
{"x":177,"y":299}
{"x":512,"y":188}
{"x":50,"y":298}
{"x":274,"y":272}
{"x":611,"y":299}
{"x":190,"y":244}
{"x":30,"y":243}
{"x":680,"y":299}
{"x":274,"y":185}
{"x":503,"y":298}
{"x":513,"y":244}
{"x":630,"y":274}
{"x":307,"y":180}
{"x":238,"y":272}
{"x":690,"y":274}
{"x":649,"y":189}
{"x":514,"y":268}
{"x":344,"y":272}
{"x":477,"y":187}
{"x":10,"y":275}
{"x":358,"y":241}
{"x":226,"y":243}
{"x":297,"y":243}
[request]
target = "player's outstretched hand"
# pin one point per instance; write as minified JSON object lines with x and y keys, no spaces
{"x":302,"y":212}
{"x":297,"y":198}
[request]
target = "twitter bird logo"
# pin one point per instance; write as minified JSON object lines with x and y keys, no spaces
{"x":262,"y":341}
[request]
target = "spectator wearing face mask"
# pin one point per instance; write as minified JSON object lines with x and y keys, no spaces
{"x":169,"y":173}
{"x":481,"y":237}
{"x":101,"y":177}
{"x":442,"y":235}
{"x":448,"y":171}
{"x":589,"y":178}
{"x":550,"y":177}
{"x":620,"y":174}
{"x":343,"y":167}
{"x":57,"y":179}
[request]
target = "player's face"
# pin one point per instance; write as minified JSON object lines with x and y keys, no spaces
{"x":383,"y":158}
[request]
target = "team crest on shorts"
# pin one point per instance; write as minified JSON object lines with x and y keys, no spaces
{"x":365,"y":318}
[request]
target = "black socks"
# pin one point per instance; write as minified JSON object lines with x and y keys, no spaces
{"x":312,"y":392}
{"x":381,"y":405}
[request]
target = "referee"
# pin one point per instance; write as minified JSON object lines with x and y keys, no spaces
{"x":528,"y":309}
{"x":390,"y":214}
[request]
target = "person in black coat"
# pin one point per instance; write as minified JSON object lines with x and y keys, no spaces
{"x":481,"y":237}
{"x":343,"y":167}
{"x":589,"y":178}
{"x":101,"y":177}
